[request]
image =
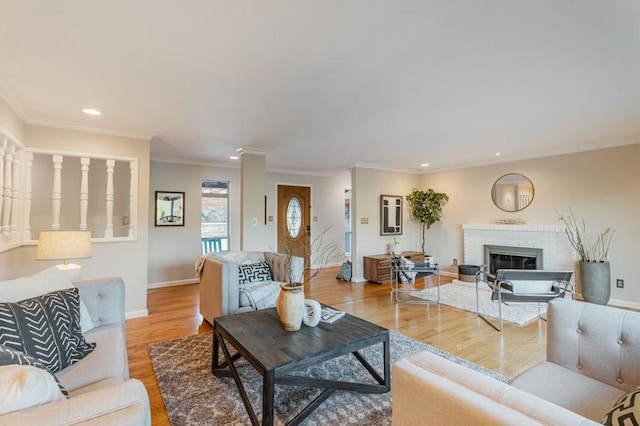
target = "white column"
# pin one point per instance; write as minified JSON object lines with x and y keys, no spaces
{"x":6,"y":192}
{"x":84,"y":192}
{"x":26,"y":218}
{"x":108,"y":233}
{"x":3,"y":149}
{"x":14,"y":219}
{"x":56,"y":193}
{"x":133,"y":197}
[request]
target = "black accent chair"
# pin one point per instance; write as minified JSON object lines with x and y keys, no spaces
{"x":502,"y":288}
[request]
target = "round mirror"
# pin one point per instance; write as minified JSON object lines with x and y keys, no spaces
{"x":512,"y":192}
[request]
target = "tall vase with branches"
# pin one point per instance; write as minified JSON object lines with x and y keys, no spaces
{"x":426,"y":207}
{"x":291,"y":301}
{"x":595,"y":275}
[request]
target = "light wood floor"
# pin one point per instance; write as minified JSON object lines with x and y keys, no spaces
{"x":173,"y":312}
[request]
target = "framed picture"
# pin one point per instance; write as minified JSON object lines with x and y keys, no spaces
{"x":390,"y":214}
{"x":169,"y":208}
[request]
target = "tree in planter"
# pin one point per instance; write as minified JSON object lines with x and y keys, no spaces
{"x":426,"y":208}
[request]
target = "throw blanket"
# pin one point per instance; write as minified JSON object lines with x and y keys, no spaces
{"x":200,"y":265}
{"x":261,"y":294}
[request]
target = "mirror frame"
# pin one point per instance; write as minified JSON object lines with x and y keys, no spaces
{"x":502,"y":207}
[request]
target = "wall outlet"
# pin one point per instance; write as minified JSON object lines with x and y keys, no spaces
{"x":364,"y":220}
{"x":455,"y":262}
{"x":619,"y":283}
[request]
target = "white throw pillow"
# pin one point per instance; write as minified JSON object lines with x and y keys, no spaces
{"x":46,"y":281}
{"x":24,"y":386}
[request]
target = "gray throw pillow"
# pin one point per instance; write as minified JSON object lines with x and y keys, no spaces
{"x":47,"y":328}
{"x":345,"y":271}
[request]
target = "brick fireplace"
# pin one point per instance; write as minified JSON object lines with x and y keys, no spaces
{"x":556,"y":252}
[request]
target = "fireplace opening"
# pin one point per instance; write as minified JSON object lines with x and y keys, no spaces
{"x":504,"y":257}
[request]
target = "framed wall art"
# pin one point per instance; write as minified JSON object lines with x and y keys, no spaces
{"x":390,"y":214}
{"x":169,"y":208}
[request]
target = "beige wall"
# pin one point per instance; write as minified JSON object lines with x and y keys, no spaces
{"x":126,"y":259}
{"x":253,"y":232}
{"x":602,"y":186}
{"x":173,"y":250}
{"x":367,"y":186}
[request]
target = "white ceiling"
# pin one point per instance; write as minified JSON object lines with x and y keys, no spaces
{"x":322,"y":85}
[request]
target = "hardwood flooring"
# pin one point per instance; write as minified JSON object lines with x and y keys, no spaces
{"x":173,"y":313}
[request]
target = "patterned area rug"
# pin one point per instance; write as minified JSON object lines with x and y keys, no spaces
{"x":462,"y":295}
{"x":192,"y":395}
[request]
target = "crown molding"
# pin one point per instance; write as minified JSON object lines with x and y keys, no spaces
{"x":192,"y":162}
{"x":250,"y":150}
{"x":383,"y":168}
{"x":88,"y":129}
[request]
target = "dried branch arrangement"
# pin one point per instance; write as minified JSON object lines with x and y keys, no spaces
{"x":577,"y":233}
{"x":320,"y":254}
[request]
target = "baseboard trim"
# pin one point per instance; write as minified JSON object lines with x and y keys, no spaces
{"x":172,"y":283}
{"x":137,"y":314}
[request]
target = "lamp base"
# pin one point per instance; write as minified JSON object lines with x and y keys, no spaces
{"x":71,"y":270}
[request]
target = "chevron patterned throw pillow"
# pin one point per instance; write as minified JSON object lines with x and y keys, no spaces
{"x":626,"y":411}
{"x":47,"y":328}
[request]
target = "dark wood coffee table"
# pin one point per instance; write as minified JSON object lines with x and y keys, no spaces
{"x":275,"y":353}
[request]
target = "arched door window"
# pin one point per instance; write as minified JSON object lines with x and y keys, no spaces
{"x":294,"y":217}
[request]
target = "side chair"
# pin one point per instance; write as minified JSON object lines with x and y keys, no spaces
{"x":523,"y":286}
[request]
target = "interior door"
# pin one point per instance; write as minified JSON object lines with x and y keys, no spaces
{"x":294,"y":220}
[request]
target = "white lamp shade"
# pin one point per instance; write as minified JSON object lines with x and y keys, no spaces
{"x":63,"y":245}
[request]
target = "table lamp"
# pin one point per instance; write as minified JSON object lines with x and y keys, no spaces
{"x":65,"y":245}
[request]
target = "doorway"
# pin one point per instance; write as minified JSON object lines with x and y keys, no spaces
{"x":294,"y":221}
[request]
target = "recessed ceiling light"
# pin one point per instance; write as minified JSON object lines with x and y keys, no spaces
{"x":424,"y":165}
{"x":497,"y":154}
{"x":91,"y":111}
{"x":234,"y":157}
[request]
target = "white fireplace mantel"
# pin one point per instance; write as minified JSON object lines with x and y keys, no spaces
{"x":557,"y":252}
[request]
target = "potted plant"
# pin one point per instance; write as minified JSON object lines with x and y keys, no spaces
{"x":594,"y":269}
{"x":426,"y":207}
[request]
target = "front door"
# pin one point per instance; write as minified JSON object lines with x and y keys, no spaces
{"x":294,"y":221}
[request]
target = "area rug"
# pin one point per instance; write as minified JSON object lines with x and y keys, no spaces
{"x":192,"y":395}
{"x":462,"y":295}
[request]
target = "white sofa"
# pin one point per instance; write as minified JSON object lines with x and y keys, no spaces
{"x":221,"y":292}
{"x":100,"y":390}
{"x":593,"y":358}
